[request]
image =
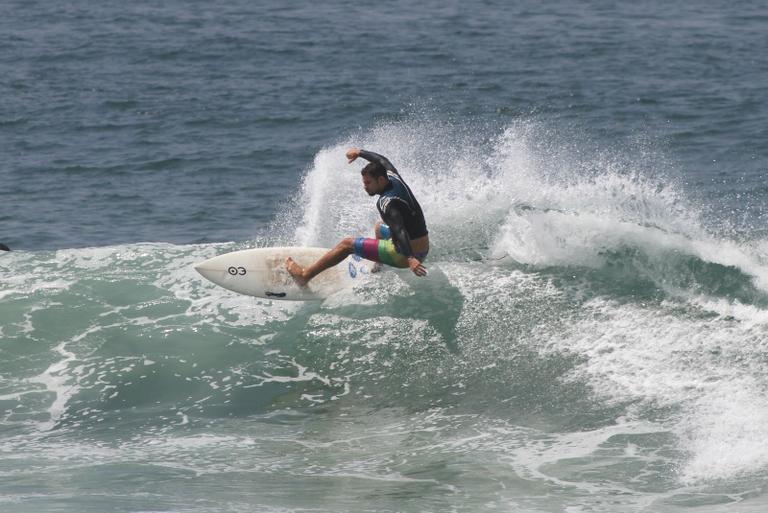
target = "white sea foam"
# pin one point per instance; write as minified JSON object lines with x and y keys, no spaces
{"x":23,"y":273}
{"x":521,"y":195}
{"x":56,"y":379}
{"x":711,"y":369}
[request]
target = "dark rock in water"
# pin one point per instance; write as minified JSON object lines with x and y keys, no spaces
{"x":3,"y":247}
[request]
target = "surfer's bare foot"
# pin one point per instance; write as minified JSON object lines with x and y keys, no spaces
{"x":376,"y":267}
{"x":296,"y":271}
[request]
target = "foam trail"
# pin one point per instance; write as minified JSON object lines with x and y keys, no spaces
{"x":56,"y":379}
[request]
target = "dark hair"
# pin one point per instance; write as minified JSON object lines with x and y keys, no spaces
{"x":374,"y":170}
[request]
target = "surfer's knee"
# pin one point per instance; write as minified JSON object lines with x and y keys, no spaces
{"x":382,"y":231}
{"x":347,"y":244}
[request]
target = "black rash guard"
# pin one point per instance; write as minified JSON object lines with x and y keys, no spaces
{"x":398,"y":207}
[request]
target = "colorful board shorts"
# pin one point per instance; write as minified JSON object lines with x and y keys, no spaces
{"x":383,"y":250}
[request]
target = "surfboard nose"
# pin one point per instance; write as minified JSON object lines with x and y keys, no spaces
{"x":206,"y":272}
{"x":208,"y":269}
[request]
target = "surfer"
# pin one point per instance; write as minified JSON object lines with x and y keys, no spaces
{"x":401,"y":240}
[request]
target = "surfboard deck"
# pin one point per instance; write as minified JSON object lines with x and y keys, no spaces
{"x":261,"y":272}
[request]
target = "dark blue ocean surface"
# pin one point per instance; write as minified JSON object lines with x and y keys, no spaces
{"x":193,"y":121}
{"x":592,"y":335}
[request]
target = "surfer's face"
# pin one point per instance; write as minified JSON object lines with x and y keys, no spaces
{"x":374,"y":185}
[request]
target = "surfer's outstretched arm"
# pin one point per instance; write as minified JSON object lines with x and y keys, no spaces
{"x":370,"y":156}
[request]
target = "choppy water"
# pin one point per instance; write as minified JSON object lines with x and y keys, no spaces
{"x":593,"y":333}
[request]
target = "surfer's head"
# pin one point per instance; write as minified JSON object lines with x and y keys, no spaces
{"x":375,"y":178}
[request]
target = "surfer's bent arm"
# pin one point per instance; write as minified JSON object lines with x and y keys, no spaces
{"x":394,"y":218}
{"x":374,"y":157}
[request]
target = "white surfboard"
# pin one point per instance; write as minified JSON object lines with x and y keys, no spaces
{"x":261,"y":272}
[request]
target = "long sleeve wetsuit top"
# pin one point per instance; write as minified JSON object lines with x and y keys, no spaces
{"x":398,"y":207}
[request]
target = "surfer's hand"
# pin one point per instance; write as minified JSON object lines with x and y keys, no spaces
{"x":352,"y":154}
{"x":416,"y":266}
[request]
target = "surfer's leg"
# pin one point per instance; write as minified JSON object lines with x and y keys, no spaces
{"x":379,"y":250}
{"x":382,"y":232}
{"x":342,"y":250}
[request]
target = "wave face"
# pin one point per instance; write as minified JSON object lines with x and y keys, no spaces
{"x":583,"y":339}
